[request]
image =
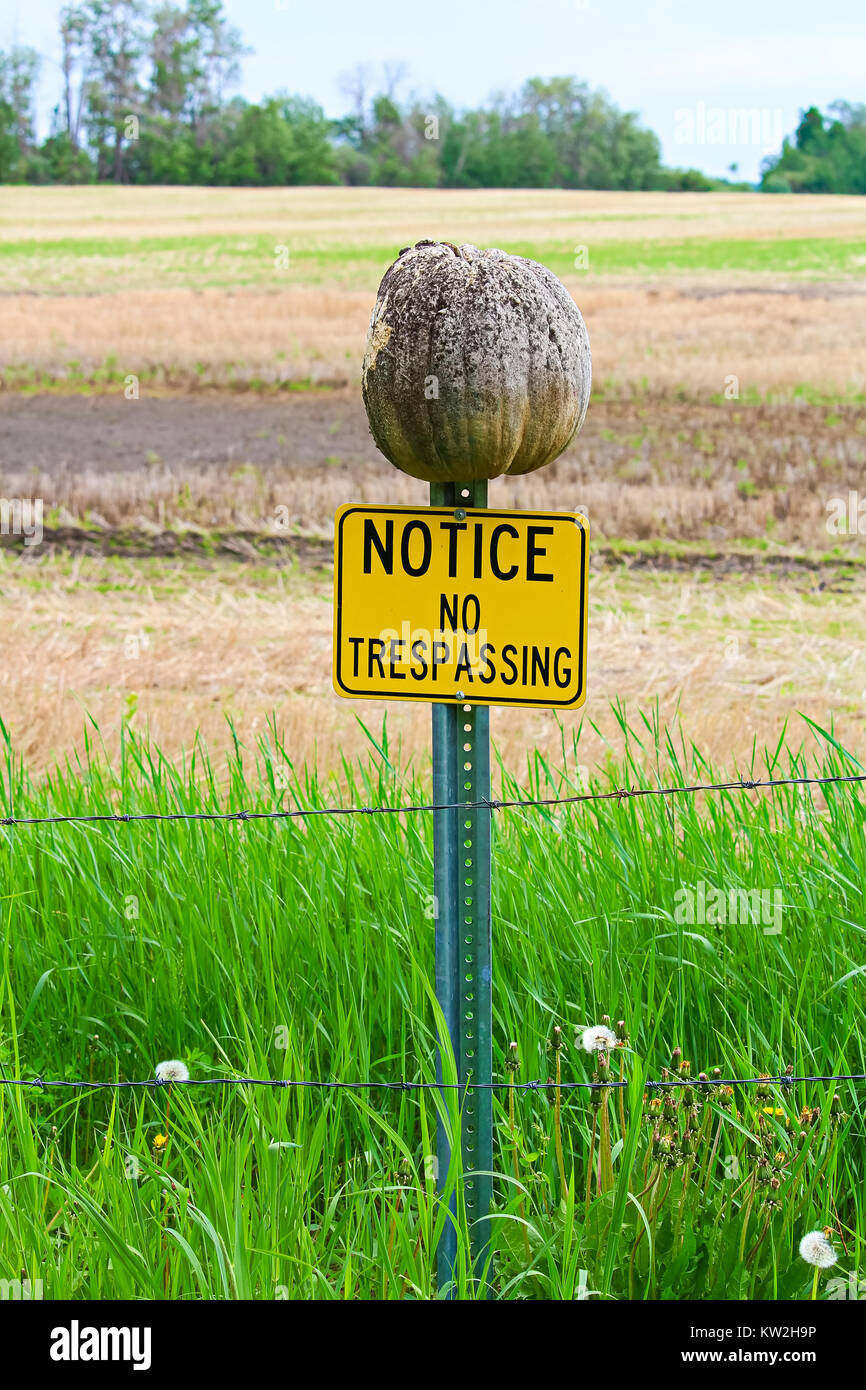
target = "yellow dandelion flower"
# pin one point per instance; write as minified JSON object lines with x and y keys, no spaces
{"x":160,"y":1141}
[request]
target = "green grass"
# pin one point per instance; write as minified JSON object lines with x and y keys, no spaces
{"x":104,"y":264}
{"x":809,"y":257}
{"x":304,"y":950}
{"x":71,"y":379}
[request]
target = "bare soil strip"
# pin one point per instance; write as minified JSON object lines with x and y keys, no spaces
{"x":193,"y":472}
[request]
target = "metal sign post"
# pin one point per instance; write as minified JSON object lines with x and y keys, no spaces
{"x":476,"y":363}
{"x":462,"y":607}
{"x":461,"y":885}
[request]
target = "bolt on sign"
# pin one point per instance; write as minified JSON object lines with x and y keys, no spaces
{"x":446,"y":605}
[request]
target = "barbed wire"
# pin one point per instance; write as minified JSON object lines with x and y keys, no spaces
{"x":490,"y":804}
{"x":619,"y":794}
{"x":698,"y":1083}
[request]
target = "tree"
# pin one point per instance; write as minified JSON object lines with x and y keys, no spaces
{"x":18,"y":71}
{"x":9,"y":153}
{"x":173,"y":62}
{"x":216,"y":49}
{"x":73,"y":63}
{"x":285,"y":140}
{"x":827,"y":154}
{"x":194,"y":57}
{"x":555,"y":134}
{"x":116,"y":41}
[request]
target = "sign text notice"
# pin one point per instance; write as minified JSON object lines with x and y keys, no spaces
{"x":444,"y":605}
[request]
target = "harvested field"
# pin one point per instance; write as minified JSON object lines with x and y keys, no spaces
{"x":313,"y":218}
{"x":216,"y":286}
{"x":727,"y":414}
{"x":649,"y":469}
{"x":176,"y":647}
{"x":687,"y":338}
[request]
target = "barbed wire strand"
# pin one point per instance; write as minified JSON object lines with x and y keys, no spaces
{"x":154,"y":1083}
{"x":618,"y":794}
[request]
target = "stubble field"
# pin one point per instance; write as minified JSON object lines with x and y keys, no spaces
{"x":181,"y":382}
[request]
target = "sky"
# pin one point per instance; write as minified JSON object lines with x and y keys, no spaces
{"x":720,"y":83}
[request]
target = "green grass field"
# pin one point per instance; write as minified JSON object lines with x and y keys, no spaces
{"x":304,"y":949}
{"x":102,"y":264}
{"x":104,"y":240}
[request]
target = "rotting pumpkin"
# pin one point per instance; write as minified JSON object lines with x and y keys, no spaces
{"x":477,"y":364}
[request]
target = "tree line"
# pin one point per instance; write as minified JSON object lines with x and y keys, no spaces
{"x":146,"y":99}
{"x":826,"y":155}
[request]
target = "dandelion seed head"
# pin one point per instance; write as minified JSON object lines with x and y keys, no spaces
{"x":597,"y":1039}
{"x":816,"y":1249}
{"x":172,"y":1071}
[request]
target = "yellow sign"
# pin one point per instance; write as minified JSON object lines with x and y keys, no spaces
{"x":451,"y":605}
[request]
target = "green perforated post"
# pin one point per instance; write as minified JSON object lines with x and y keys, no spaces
{"x":461,"y":849}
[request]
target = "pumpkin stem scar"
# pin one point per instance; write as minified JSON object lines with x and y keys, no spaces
{"x":378,"y":339}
